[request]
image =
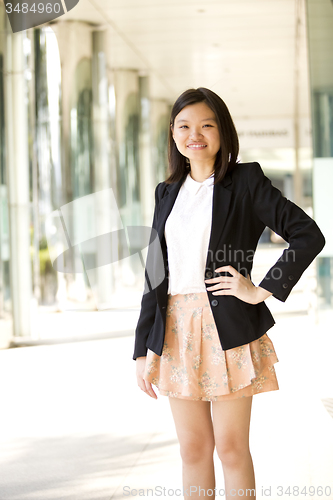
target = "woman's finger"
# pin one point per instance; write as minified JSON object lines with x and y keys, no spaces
{"x":220,"y":286}
{"x":149,"y":389}
{"x":220,"y":279}
{"x":146,"y":387}
{"x":225,"y":291}
{"x":228,"y":269}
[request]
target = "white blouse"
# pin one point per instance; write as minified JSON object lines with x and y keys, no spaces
{"x":187,"y":233}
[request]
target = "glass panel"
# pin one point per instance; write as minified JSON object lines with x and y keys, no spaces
{"x":129,"y":174}
{"x":161,"y":160}
{"x":320,"y":42}
{"x":323,"y":123}
{"x":48,"y":134}
{"x":5,"y":292}
{"x":81,"y":130}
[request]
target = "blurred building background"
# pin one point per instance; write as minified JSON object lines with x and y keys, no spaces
{"x":84,"y":114}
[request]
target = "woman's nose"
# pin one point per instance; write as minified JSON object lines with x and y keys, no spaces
{"x":194,"y":134}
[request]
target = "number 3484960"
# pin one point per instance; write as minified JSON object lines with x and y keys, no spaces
{"x":35,"y":8}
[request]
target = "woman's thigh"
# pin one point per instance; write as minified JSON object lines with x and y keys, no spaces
{"x":231,"y":426}
{"x":194,"y":427}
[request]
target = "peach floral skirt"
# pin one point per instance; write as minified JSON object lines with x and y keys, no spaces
{"x":193,"y":364}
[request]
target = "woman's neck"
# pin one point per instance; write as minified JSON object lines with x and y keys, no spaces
{"x":201,"y":171}
{"x":199,"y":174}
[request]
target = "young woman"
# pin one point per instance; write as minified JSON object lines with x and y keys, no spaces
{"x":201,"y":335}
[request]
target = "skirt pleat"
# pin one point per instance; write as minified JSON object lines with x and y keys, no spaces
{"x":193,"y":364}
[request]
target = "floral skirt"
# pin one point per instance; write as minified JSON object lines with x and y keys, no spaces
{"x":193,"y":364}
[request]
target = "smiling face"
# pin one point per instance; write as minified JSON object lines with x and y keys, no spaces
{"x":196,"y":134}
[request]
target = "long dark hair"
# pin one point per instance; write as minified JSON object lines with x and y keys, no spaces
{"x":226,"y":157}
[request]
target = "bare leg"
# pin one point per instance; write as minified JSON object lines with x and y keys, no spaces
{"x":231,"y":423}
{"x":194,"y":429}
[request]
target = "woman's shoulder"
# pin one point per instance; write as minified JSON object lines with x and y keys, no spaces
{"x":245,"y":169}
{"x":243,"y":173}
{"x":161,"y":186}
{"x":160,"y":189}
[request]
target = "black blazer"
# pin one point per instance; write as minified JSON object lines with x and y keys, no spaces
{"x":244,"y":203}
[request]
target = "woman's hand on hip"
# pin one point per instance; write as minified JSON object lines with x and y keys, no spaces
{"x":237,"y":285}
{"x":142,"y":383}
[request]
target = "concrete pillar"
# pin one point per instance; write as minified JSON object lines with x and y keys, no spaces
{"x":100,"y":112}
{"x":75,"y":46}
{"x":103,"y":275}
{"x":160,"y":116}
{"x":18,"y":183}
{"x":147,"y":177}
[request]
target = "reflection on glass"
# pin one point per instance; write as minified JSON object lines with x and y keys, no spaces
{"x":48,"y":127}
{"x":323,"y":126}
{"x":5,"y":296}
{"x":81,"y":130}
{"x":161,"y":160}
{"x":5,"y":303}
{"x":128,"y":173}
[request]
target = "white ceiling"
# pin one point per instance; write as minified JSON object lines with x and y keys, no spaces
{"x":243,"y":50}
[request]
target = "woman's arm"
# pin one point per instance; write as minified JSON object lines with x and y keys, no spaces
{"x":148,"y":302}
{"x":289,"y":221}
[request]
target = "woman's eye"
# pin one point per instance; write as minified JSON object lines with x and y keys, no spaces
{"x":186,"y":126}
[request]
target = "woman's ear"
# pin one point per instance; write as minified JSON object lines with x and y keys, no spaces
{"x":171,"y":128}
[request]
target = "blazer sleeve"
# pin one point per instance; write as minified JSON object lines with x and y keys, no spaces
{"x":289,"y":221}
{"x":149,"y":301}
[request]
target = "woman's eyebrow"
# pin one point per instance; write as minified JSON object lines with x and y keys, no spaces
{"x":204,"y":120}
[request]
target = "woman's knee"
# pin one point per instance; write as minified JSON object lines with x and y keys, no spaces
{"x":232,"y":452}
{"x":194,"y":449}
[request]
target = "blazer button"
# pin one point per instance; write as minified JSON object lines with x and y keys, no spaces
{"x":214,"y":302}
{"x":291,"y":277}
{"x":209,"y":274}
{"x":285,"y":285}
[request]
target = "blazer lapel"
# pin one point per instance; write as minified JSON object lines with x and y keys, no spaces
{"x":166,"y":205}
{"x":221,"y":204}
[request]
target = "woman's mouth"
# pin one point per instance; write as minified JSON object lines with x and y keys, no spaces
{"x":197,"y":146}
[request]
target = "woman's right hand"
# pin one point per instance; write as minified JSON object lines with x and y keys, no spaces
{"x":142,"y":383}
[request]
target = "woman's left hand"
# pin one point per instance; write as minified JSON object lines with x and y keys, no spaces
{"x":238,"y":286}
